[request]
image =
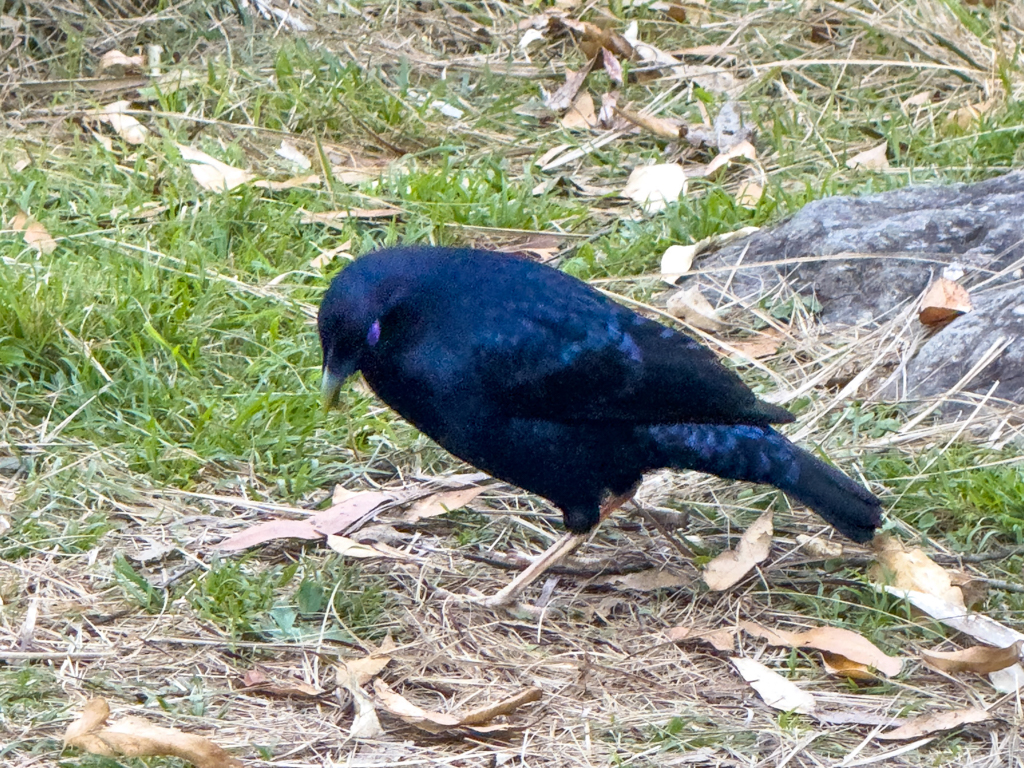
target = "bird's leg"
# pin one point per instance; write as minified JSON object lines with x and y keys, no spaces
{"x":551,"y":556}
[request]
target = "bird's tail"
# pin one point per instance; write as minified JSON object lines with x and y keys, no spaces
{"x":762,"y":455}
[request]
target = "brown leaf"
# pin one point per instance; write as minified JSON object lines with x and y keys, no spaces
{"x":649,"y":580}
{"x":944,"y":301}
{"x":362,"y":551}
{"x":295,"y":181}
{"x":488,"y":712}
{"x":264,"y":532}
{"x":815,"y":546}
{"x":835,"y":640}
{"x":441,"y":503}
{"x":35,"y":234}
{"x":840,"y":666}
{"x":777,"y":692}
{"x":749,"y":194}
{"x":258,"y":681}
{"x":764,"y":344}
{"x":116,"y":59}
{"x":690,"y":306}
{"x":965,"y":116}
{"x":916,"y":727}
{"x":580,"y":116}
{"x":980,"y":659}
{"x":753,"y":548}
{"x":612,"y":66}
{"x":338,"y":219}
{"x":873,"y":159}
{"x":438,"y":722}
{"x":659,"y":126}
{"x":365,"y":669}
{"x":744,"y":150}
{"x":343,"y":514}
{"x":136,"y":737}
{"x":719,"y":639}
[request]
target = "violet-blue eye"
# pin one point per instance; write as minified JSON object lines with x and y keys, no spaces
{"x":373,"y":335}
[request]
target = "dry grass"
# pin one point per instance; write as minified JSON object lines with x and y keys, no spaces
{"x":616,"y":692}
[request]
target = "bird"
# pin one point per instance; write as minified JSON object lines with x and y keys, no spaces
{"x":544,"y":382}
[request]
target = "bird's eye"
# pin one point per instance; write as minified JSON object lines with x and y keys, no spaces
{"x":373,"y":335}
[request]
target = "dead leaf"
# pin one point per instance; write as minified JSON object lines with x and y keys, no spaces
{"x":126,"y":126}
{"x":834,"y":640}
{"x":293,"y":154}
{"x":34,"y":233}
{"x":678,"y":259}
{"x":965,"y":116}
{"x":325,"y":258}
{"x":912,"y":569}
{"x":980,"y":659}
{"x":690,"y":306}
{"x":362,"y":551}
{"x":438,"y":722}
{"x":720,"y":639}
{"x":916,"y":727}
{"x":268,"y":531}
{"x":777,"y":692}
{"x":136,"y":737}
{"x":649,"y":580}
{"x":256,"y":680}
{"x":115,"y":58}
{"x":560,"y":100}
{"x":653,"y":187}
{"x":762,"y":345}
{"x":344,"y":514}
{"x":742,"y":150}
{"x":873,"y":159}
{"x":441,"y":503}
{"x":816,"y":546}
{"x":659,"y":126}
{"x":365,"y":723}
{"x":210,"y":173}
{"x":365,"y":669}
{"x":580,"y":115}
{"x":310,"y":179}
{"x":749,"y":194}
{"x":840,"y":666}
{"x":944,"y":301}
{"x":339,"y":219}
{"x":753,"y":548}
{"x":612,"y":66}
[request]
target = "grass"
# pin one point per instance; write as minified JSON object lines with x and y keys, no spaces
{"x":164,"y":355}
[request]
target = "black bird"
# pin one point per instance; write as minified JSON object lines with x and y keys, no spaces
{"x":538,"y":379}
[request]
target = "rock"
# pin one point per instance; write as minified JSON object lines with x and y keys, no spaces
{"x":951,"y":353}
{"x":909,"y":235}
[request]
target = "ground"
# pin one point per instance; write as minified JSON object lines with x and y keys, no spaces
{"x":159,"y":377}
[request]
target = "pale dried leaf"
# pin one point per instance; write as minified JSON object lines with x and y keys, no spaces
{"x":655,"y":186}
{"x":965,"y":116}
{"x":345,"y":513}
{"x":649,"y":580}
{"x":310,"y":179}
{"x":916,"y":727}
{"x":776,"y":691}
{"x":126,"y":126}
{"x":35,"y":234}
{"x":361,"y":551}
{"x":136,"y":737}
{"x":269,"y":531}
{"x":210,"y":173}
{"x":115,"y":58}
{"x":401,"y":707}
{"x":911,"y":569}
{"x":339,"y":219}
{"x":749,"y":194}
{"x":258,"y":681}
{"x":293,"y":154}
{"x":441,"y":503}
{"x":816,"y":546}
{"x":365,"y":724}
{"x":719,"y":639}
{"x":690,"y":306}
{"x":659,"y":126}
{"x":325,"y":258}
{"x":741,"y":151}
{"x":488,"y":712}
{"x":531,"y":35}
{"x":677,"y":259}
{"x":835,"y":640}
{"x":753,"y":548}
{"x":580,"y":116}
{"x":873,"y":159}
{"x":365,"y":669}
{"x":560,"y":100}
{"x":944,"y":301}
{"x":980,"y":659}
{"x":762,"y":345}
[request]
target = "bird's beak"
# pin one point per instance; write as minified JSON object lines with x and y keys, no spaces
{"x":330,"y":386}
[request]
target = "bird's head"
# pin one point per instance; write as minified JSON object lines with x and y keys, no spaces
{"x":349,"y":326}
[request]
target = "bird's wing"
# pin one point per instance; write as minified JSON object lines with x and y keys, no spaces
{"x":584,"y":358}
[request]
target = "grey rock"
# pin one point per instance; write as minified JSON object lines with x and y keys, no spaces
{"x":952,"y":352}
{"x":897,"y":241}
